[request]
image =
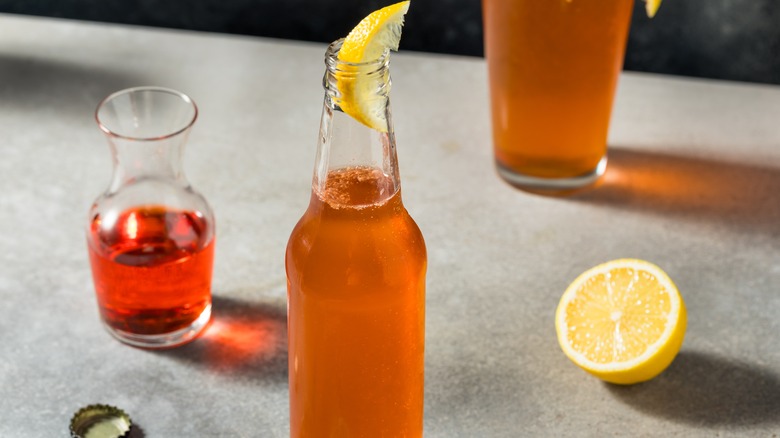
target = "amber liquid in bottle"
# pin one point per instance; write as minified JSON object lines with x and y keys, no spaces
{"x":356,"y":264}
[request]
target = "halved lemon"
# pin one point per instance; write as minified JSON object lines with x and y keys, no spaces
{"x":651,"y":7}
{"x":379,"y":32}
{"x":623,"y":321}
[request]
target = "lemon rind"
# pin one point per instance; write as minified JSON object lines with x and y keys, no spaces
{"x":651,"y":7}
{"x":368,"y":30}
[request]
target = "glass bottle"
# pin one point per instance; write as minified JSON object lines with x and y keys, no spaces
{"x":150,"y":235}
{"x":356,"y":264}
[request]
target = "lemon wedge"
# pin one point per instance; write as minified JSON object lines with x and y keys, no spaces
{"x":379,"y":32}
{"x":623,"y":321}
{"x":651,"y":7}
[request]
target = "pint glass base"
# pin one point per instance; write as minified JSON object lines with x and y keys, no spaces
{"x":551,"y":186}
{"x":164,"y":340}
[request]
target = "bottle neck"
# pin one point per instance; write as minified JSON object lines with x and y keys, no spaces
{"x":345,"y":143}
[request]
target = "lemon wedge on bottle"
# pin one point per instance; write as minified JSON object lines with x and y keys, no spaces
{"x":379,"y":32}
{"x":623,"y":321}
{"x":651,"y":7}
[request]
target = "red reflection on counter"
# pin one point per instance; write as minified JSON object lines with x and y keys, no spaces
{"x":237,"y":342}
{"x":244,"y":338}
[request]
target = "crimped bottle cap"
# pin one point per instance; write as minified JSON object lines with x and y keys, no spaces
{"x":99,"y":421}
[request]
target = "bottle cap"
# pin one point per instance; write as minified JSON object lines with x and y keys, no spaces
{"x":99,"y":421}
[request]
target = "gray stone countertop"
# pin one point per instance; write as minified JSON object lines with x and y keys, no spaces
{"x":693,"y":185}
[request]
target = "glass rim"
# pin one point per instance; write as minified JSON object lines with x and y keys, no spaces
{"x":146,"y":88}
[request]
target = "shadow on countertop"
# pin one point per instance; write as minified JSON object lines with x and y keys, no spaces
{"x":136,"y":432}
{"x":245,"y":339}
{"x":730,"y":194}
{"x":63,"y":88}
{"x":707,"y":390}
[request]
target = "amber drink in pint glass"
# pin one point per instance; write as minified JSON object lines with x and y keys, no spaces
{"x":553,"y":68}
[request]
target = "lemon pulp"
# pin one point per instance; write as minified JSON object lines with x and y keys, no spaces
{"x":622,"y":321}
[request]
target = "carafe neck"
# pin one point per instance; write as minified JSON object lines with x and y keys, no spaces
{"x":146,"y":128}
{"x":139,"y":159}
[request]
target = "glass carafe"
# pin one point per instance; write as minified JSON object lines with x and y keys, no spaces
{"x":356,"y":264}
{"x":150,"y":235}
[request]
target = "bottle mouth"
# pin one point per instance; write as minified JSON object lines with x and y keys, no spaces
{"x":334,"y":64}
{"x":146,"y":113}
{"x":372,"y":76}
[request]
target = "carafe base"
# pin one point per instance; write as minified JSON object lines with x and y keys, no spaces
{"x":164,"y":340}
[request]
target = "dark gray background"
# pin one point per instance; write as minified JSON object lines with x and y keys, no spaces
{"x":722,"y":39}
